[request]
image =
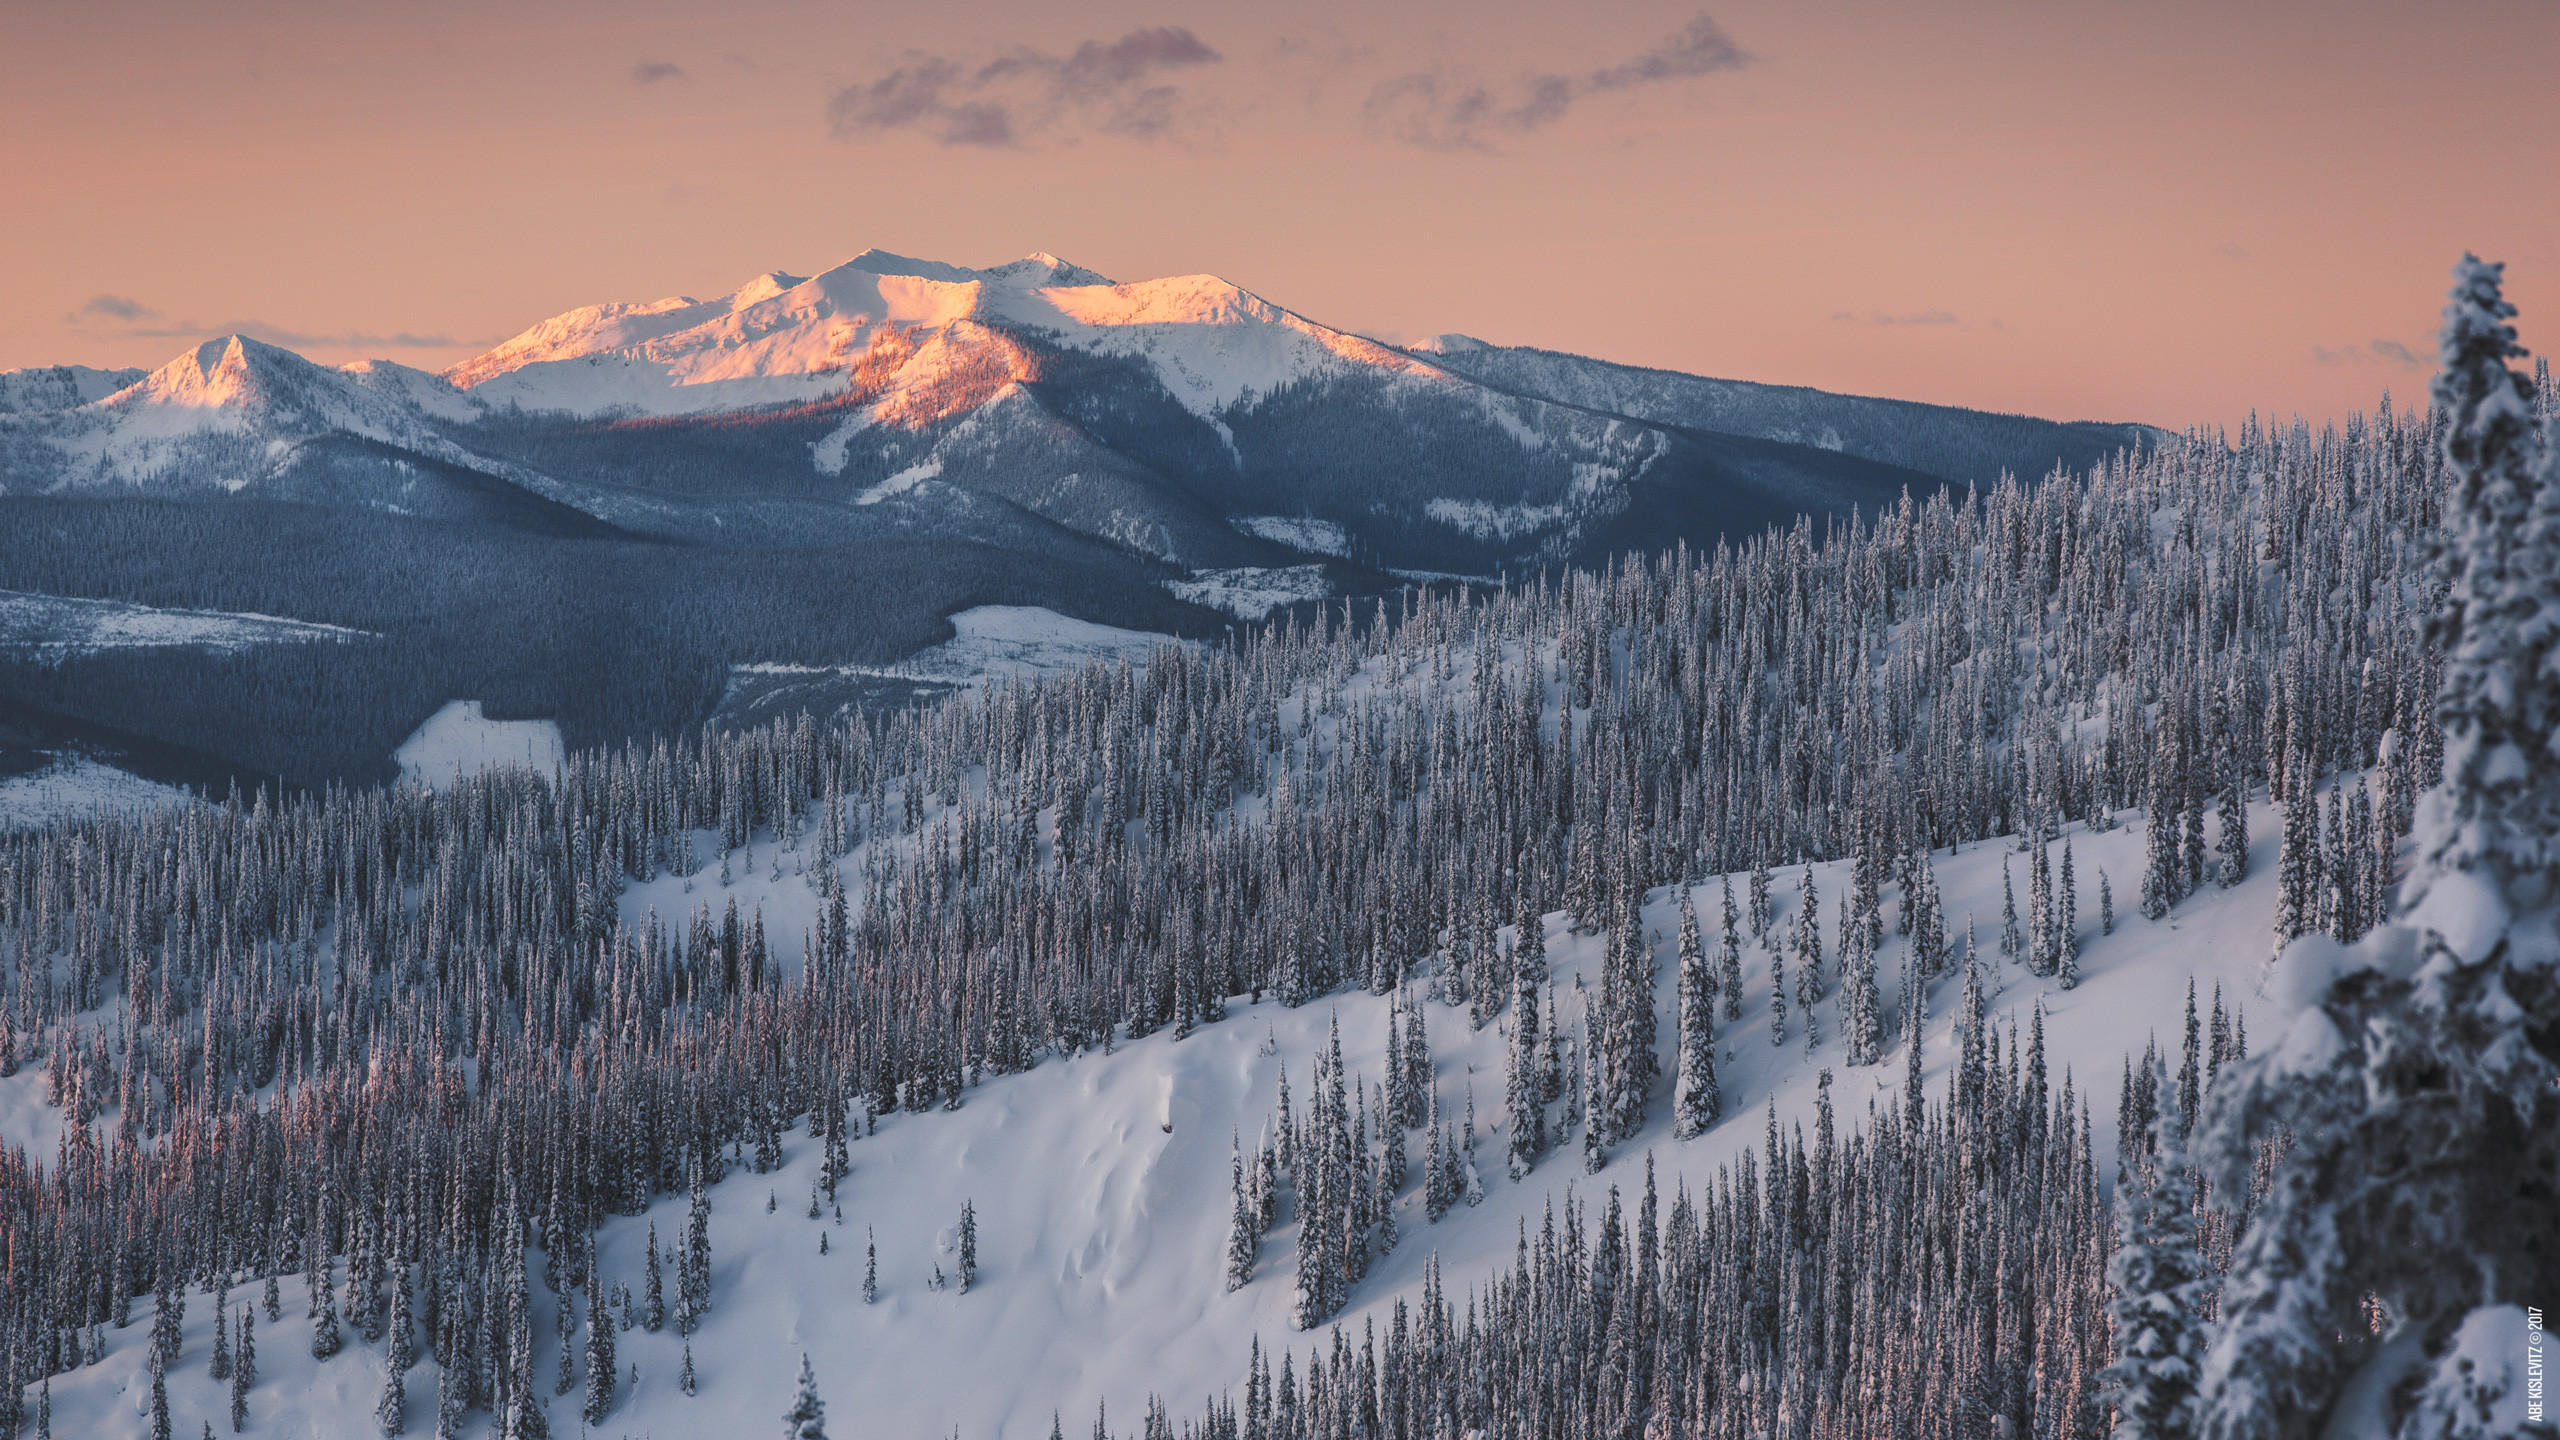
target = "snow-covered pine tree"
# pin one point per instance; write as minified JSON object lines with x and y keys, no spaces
{"x":1241,"y":1231}
{"x":2231,"y":847}
{"x":2066,"y":924}
{"x":602,"y":1369}
{"x":159,"y":1393}
{"x":2422,"y":1089}
{"x":244,"y":1367}
{"x":1696,"y":1101}
{"x":2163,"y":1293}
{"x":968,"y":1231}
{"x":1729,"y":957}
{"x":1861,"y":1023}
{"x":807,"y":1417}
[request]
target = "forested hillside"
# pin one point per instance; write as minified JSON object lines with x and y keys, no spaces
{"x":418,"y":1048}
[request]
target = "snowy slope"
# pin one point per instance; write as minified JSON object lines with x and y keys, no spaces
{"x":53,"y":626}
{"x":60,"y":387}
{"x":1100,"y":1186}
{"x":461,"y":740}
{"x":781,"y":339}
{"x":72,"y":787}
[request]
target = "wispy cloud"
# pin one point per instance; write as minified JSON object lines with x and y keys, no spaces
{"x":1115,"y":87}
{"x":112,"y":307}
{"x":1916,"y":317}
{"x":2372,"y":352}
{"x":2233,"y":250}
{"x":1452,"y":109}
{"x":650,"y":72}
{"x":118,"y":307}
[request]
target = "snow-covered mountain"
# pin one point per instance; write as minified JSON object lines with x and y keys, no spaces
{"x":1184,"y":419}
{"x":60,"y":387}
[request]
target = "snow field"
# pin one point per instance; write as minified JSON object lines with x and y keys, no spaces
{"x":460,"y":737}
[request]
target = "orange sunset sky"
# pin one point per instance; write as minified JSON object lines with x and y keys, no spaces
{"x":2167,"y":212}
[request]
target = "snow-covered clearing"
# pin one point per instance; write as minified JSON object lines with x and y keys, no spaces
{"x":1317,"y":537}
{"x":459,"y":738}
{"x":75,"y":786}
{"x":1252,"y":592}
{"x":995,"y":641}
{"x":59,"y":625}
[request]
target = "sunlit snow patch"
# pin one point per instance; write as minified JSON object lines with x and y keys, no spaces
{"x":460,"y":738}
{"x":1252,"y":592}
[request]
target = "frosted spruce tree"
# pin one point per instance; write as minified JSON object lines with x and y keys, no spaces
{"x":1696,"y":1102}
{"x":2421,"y":1088}
{"x":807,"y":1417}
{"x":2162,"y":1292}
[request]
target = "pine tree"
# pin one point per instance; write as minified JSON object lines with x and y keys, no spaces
{"x":159,"y":1394}
{"x":2423,"y":1093}
{"x":1728,"y":959}
{"x":325,"y":1339}
{"x":2066,"y":936}
{"x":2106,"y":905}
{"x":653,"y":1315}
{"x":392,"y":1414}
{"x":1241,"y":1231}
{"x":244,"y":1368}
{"x":1696,"y":1101}
{"x":2232,"y":847}
{"x":602,"y":1368}
{"x":968,"y":1245}
{"x":870,"y":1269}
{"x":2163,"y":1293}
{"x":807,"y":1417}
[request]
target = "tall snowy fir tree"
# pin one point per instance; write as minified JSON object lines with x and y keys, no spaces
{"x":2421,"y":1090}
{"x":2163,"y":1294}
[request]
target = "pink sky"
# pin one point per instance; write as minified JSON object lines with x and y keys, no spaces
{"x":2169,"y":212}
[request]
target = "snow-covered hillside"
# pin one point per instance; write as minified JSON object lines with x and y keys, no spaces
{"x":60,"y":387}
{"x":1100,"y":1183}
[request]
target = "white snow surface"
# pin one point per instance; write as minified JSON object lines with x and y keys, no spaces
{"x":1027,"y":640}
{"x":59,"y":387}
{"x":461,"y":739}
{"x":996,"y":641}
{"x":1316,"y":537}
{"x":1251,"y":592}
{"x":781,"y":339}
{"x":57,"y":625}
{"x":75,"y":787}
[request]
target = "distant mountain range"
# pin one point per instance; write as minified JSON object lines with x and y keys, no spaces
{"x":1183,"y":419}
{"x":899,"y":440}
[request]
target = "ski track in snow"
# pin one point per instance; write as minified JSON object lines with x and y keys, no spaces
{"x":1102,"y":1234}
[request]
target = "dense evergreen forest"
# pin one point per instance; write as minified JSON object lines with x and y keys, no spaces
{"x":408,"y":1044}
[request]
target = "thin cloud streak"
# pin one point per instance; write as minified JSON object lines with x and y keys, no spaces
{"x":1108,"y":88}
{"x":1921,"y":317}
{"x":1450,"y":109}
{"x":2372,"y":352}
{"x":650,"y":72}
